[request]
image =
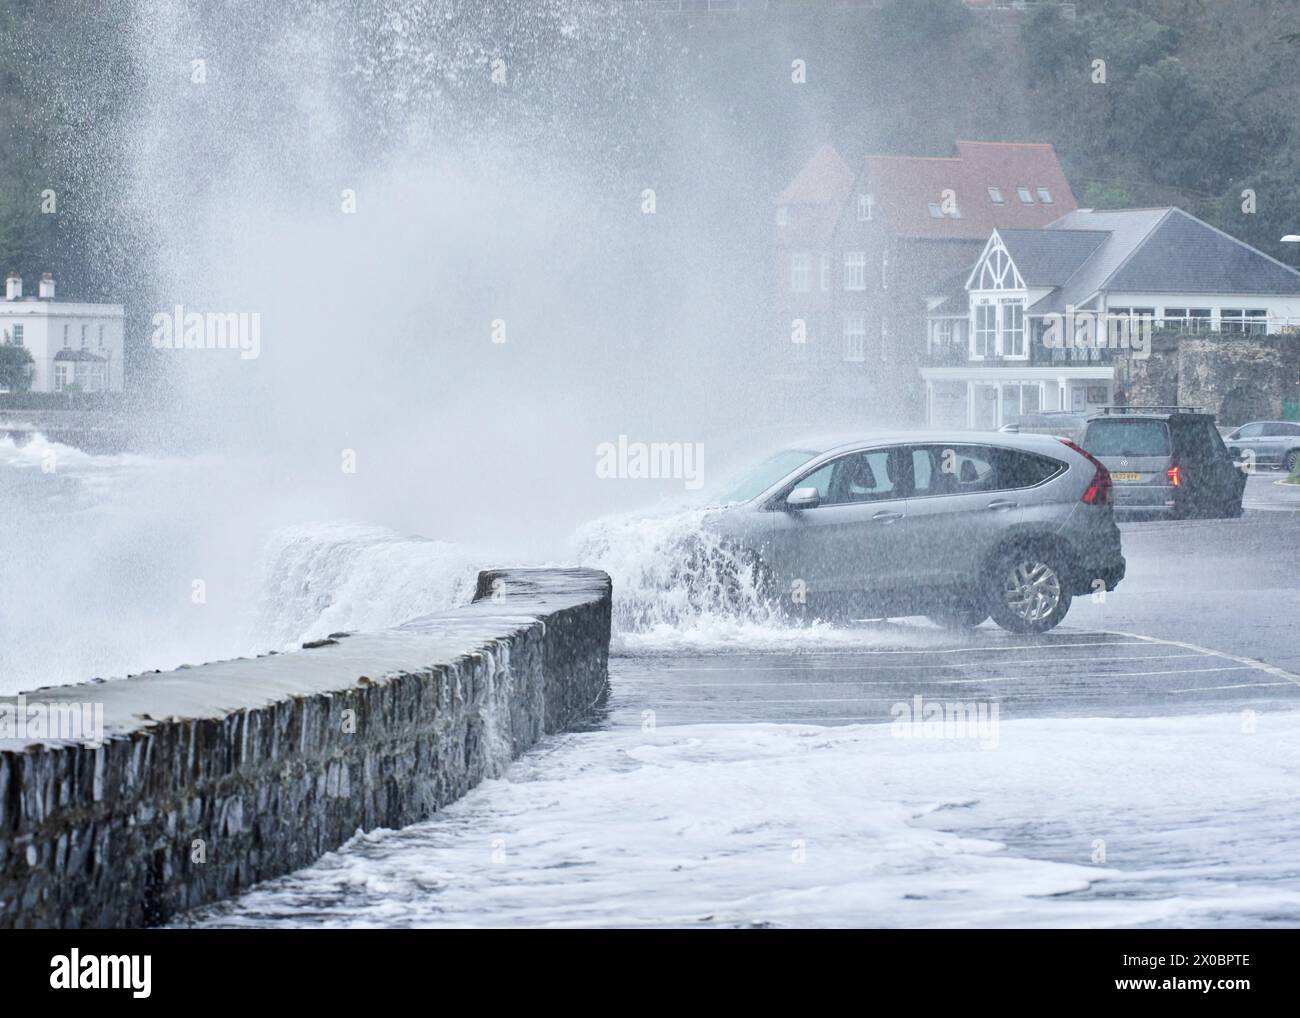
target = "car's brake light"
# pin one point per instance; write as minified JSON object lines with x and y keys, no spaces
{"x":1099,"y":491}
{"x":1175,"y":476}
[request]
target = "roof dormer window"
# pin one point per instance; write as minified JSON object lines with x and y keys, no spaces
{"x":935,"y":211}
{"x":995,"y":195}
{"x":1025,"y":197}
{"x":1045,"y":196}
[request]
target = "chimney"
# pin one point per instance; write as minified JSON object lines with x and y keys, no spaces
{"x":13,"y":286}
{"x":47,"y":286}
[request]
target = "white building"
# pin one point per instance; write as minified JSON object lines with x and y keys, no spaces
{"x":72,"y":344}
{"x":994,"y":354}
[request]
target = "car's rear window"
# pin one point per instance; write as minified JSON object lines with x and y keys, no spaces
{"x":1127,"y":438}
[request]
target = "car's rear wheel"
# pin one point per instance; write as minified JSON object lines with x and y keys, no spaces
{"x":1290,"y":459}
{"x":965,"y":618}
{"x":1027,"y":590}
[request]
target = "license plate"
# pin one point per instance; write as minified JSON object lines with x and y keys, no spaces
{"x":1126,"y":476}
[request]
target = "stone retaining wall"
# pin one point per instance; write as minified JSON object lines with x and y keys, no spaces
{"x":212,"y":778}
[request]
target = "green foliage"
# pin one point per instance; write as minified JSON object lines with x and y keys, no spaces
{"x":918,"y":23}
{"x":15,"y":368}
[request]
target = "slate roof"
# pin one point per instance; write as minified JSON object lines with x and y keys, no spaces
{"x":80,"y":355}
{"x":1050,"y":257}
{"x":1162,"y":250}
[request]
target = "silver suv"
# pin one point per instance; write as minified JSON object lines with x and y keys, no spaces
{"x":957,"y":526}
{"x":1268,"y":443}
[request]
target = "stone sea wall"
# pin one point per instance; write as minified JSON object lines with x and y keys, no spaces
{"x":212,"y":778}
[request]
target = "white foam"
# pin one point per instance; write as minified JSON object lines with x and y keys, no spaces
{"x":801,"y":825}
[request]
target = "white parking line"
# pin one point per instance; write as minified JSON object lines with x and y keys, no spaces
{"x":1244,"y":685}
{"x":883,"y":668}
{"x":1268,"y":669}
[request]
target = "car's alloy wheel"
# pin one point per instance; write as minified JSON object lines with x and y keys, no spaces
{"x":1289,"y":461}
{"x":1029,"y":593}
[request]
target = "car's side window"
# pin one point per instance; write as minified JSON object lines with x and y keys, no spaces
{"x":1250,"y":431}
{"x":951,"y":469}
{"x":965,"y":469}
{"x":858,"y":477}
{"x":819,"y":479}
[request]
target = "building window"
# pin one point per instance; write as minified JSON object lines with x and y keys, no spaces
{"x":855,"y":339}
{"x":884,"y":340}
{"x":995,"y":195}
{"x":1025,"y":197}
{"x":101,"y":337}
{"x":18,"y":334}
{"x":1237,"y":320}
{"x":884,"y":270}
{"x":1045,"y":196}
{"x":800,"y":272}
{"x":1013,"y":328}
{"x":935,"y":211}
{"x":782,"y":215}
{"x":866,"y":207}
{"x":67,"y":336}
{"x":84,"y":329}
{"x":986,"y":330}
{"x":1186,"y":319}
{"x":855,"y":270}
{"x":60,"y":377}
{"x":826,"y":270}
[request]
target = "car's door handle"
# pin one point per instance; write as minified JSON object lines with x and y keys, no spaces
{"x":999,"y":504}
{"x":885,"y":516}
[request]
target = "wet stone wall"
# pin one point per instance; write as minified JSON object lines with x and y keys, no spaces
{"x":212,"y":778}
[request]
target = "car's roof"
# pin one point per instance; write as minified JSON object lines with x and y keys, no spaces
{"x":823,"y":444}
{"x":1151,"y":415}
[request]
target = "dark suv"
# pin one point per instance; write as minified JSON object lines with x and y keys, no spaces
{"x":1166,"y":460}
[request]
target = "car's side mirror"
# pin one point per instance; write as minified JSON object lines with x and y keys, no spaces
{"x":803,"y":498}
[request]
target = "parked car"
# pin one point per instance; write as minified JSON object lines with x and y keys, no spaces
{"x":1061,"y":423}
{"x":1273,"y":443}
{"x":1169,"y":461}
{"x":957,"y":526}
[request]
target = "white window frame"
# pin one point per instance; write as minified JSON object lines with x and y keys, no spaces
{"x":984,"y":336}
{"x":783,"y":215}
{"x":854,"y":334}
{"x":855,"y":270}
{"x":826,"y":271}
{"x":800,"y":272}
{"x":18,"y":334}
{"x":1011,"y":341}
{"x":866,"y":207}
{"x":60,"y":377}
{"x":1045,"y":196}
{"x":996,"y":196}
{"x":1025,"y":195}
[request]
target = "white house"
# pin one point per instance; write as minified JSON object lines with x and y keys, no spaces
{"x":70,"y":343}
{"x":1052,"y":318}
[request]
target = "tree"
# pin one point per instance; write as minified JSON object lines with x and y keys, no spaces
{"x":15,"y":368}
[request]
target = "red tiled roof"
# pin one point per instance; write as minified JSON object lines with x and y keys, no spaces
{"x":906,"y":185}
{"x":826,"y":179}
